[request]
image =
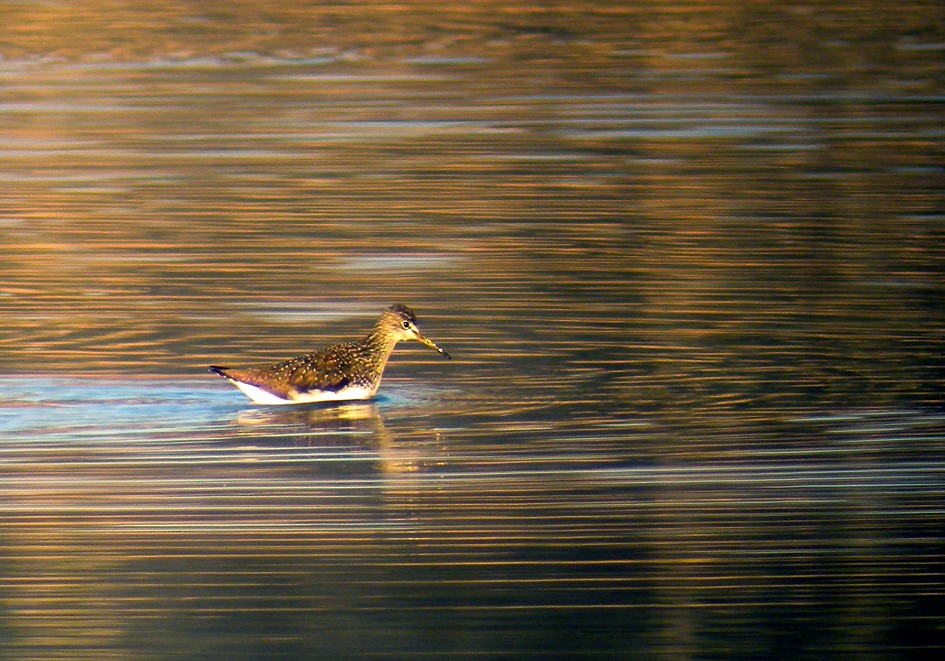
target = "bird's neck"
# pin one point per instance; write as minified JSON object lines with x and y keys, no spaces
{"x":380,"y":344}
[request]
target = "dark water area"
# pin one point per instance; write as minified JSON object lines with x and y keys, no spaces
{"x":688,"y":259}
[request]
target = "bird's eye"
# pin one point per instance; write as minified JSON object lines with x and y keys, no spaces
{"x":406,"y":324}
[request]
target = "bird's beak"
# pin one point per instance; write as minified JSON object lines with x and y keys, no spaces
{"x":423,"y":340}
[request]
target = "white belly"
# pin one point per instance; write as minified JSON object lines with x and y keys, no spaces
{"x":261,"y":396}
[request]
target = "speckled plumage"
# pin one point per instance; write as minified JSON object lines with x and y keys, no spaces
{"x":350,"y":370}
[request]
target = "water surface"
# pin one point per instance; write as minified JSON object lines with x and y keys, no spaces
{"x":688,"y":260}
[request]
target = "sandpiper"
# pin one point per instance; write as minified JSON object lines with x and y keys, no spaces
{"x":346,"y":371}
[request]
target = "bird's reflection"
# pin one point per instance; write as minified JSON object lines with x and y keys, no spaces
{"x":316,"y":417}
{"x":351,"y":428}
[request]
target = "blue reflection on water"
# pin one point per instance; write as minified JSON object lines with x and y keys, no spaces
{"x":106,"y":406}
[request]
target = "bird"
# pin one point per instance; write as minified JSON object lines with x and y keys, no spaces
{"x":341,"y":372}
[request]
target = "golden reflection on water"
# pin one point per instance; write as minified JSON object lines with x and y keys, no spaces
{"x":687,"y":258}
